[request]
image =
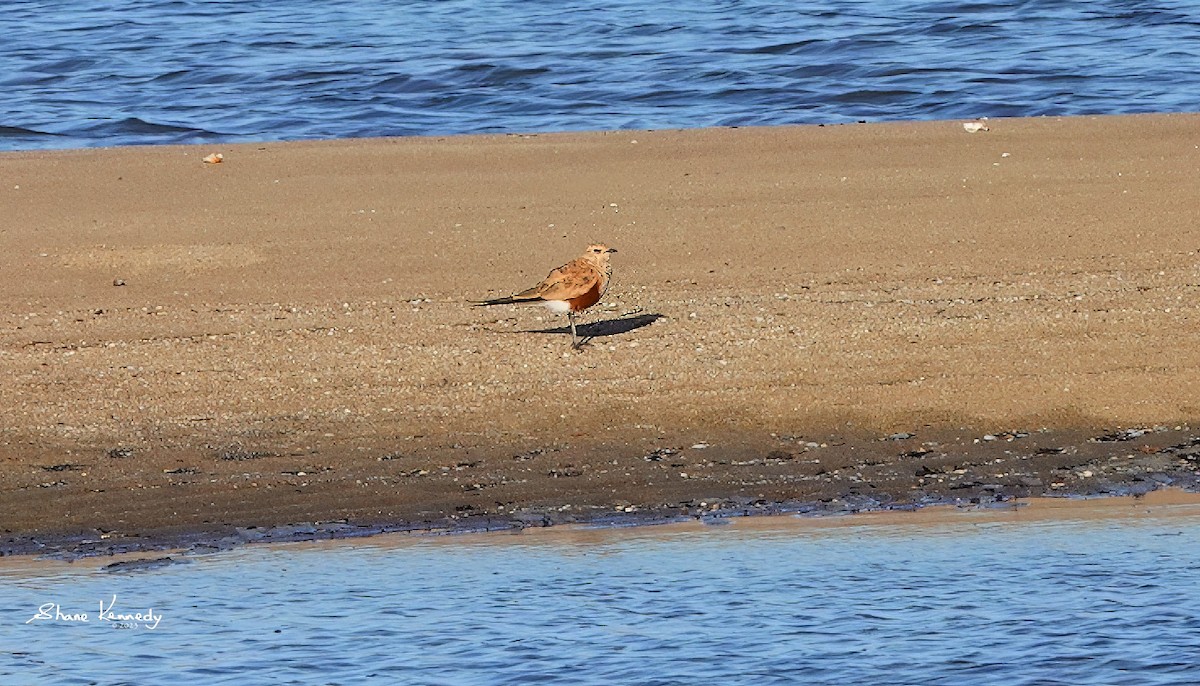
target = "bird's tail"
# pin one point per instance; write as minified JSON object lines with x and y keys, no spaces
{"x":494,"y":301}
{"x":506,"y":300}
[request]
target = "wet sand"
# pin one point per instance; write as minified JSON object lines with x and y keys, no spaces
{"x":801,"y":319}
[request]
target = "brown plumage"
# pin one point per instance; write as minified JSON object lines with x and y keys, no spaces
{"x":573,"y":287}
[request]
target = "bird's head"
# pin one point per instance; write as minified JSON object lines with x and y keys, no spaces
{"x":598,"y":252}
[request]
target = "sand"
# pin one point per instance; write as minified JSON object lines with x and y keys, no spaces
{"x":839,"y":316}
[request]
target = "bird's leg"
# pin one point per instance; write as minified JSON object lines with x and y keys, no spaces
{"x":574,"y":337}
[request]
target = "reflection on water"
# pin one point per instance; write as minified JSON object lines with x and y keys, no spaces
{"x":971,"y":601}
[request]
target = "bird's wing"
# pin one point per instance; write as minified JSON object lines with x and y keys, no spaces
{"x":571,"y":280}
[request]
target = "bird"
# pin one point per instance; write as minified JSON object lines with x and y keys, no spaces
{"x":571,"y":288}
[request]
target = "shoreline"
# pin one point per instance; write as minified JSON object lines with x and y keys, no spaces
{"x":887,"y":475}
{"x":152,"y":553}
{"x":798,"y":314}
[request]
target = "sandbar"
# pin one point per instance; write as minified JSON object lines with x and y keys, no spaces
{"x":801,"y":318}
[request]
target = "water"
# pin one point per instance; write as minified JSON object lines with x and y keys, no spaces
{"x":91,"y":73}
{"x":970,"y":601}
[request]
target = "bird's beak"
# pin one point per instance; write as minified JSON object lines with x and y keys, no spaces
{"x":611,"y":250}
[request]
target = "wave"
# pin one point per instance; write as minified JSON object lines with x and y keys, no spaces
{"x":22,"y":132}
{"x":141,"y":127}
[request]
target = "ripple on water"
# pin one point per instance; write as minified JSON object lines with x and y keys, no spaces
{"x":92,"y":73}
{"x":975,"y":602}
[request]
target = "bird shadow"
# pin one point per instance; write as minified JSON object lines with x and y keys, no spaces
{"x":606,"y":327}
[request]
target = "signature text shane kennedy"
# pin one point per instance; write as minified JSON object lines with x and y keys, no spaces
{"x":54,"y":612}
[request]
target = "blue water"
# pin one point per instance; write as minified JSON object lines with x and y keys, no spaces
{"x":973,"y":601}
{"x":98,"y":73}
